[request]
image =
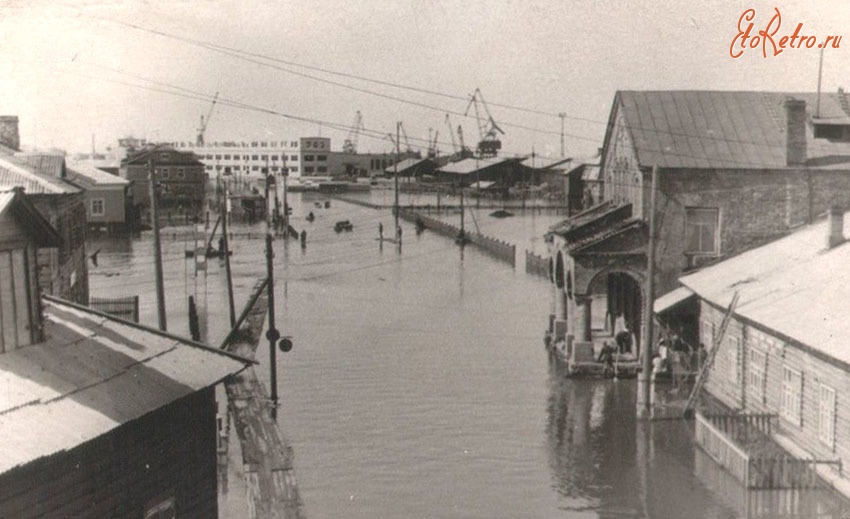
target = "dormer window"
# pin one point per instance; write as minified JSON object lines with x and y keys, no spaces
{"x":832,"y":132}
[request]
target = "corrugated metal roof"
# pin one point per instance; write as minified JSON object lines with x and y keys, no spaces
{"x":14,"y":173}
{"x":466,"y":166}
{"x":404,"y":165}
{"x":45,"y":163}
{"x":795,"y":286}
{"x":93,"y":175}
{"x":714,"y":129}
{"x":93,"y":374}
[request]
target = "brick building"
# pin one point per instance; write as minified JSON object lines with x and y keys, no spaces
{"x":181,"y":176}
{"x":735,"y":170}
{"x":784,"y":354}
{"x":99,"y":417}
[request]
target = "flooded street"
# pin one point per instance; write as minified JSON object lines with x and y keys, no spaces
{"x":419,"y":385}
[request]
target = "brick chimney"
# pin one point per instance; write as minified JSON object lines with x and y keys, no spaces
{"x":795,"y":144}
{"x":836,"y":227}
{"x":9,"y":135}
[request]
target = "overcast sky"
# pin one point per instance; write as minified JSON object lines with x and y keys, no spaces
{"x":66,"y":68}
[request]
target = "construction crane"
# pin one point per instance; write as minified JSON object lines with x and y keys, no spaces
{"x":408,"y":148}
{"x":432,"y":143}
{"x":451,"y":134}
{"x":204,"y":122}
{"x":460,"y":138}
{"x":350,"y":144}
{"x":489,"y":145}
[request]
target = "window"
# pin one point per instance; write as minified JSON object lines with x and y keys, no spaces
{"x":264,"y":157}
{"x":308,"y":169}
{"x":209,"y":157}
{"x":218,"y":157}
{"x":758,"y":369}
{"x":97,"y":207}
{"x":274,"y":157}
{"x":255,"y":157}
{"x":181,"y":173}
{"x":701,"y":230}
{"x":322,"y":157}
{"x":734,"y":357}
{"x":309,"y":158}
{"x":826,"y":415}
{"x":294,"y":144}
{"x":792,"y":396}
{"x":227,"y":157}
{"x":293,"y":169}
{"x":255,"y":168}
{"x":322,"y":169}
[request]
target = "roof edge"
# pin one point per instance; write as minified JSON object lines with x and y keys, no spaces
{"x":146,"y":328}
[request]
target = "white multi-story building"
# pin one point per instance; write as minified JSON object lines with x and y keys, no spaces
{"x":306,"y":156}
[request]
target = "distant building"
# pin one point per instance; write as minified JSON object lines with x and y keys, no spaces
{"x":108,"y":198}
{"x":502,"y":172}
{"x":735,"y":170}
{"x":181,"y":177}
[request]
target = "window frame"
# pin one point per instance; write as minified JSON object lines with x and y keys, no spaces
{"x":826,"y":415}
{"x":757,"y":374}
{"x":102,"y":202}
{"x":791,"y":407}
{"x":734,"y":356}
{"x":690,"y":216}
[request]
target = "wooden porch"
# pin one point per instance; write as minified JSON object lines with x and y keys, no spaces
{"x":741,"y":444}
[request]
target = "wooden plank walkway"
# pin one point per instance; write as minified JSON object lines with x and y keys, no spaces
{"x":266,"y":454}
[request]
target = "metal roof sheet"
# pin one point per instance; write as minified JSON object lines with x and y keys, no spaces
{"x":713,"y":129}
{"x":671,"y":299}
{"x":92,"y":175}
{"x":93,"y":374}
{"x":794,"y":285}
{"x":15,"y":173}
{"x":466,"y":166}
{"x":403,"y":165}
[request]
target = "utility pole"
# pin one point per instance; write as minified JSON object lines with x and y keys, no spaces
{"x":562,"y":115}
{"x":272,"y":334}
{"x":157,"y":248}
{"x":226,"y":252}
{"x":644,"y":398}
{"x":397,"y":158}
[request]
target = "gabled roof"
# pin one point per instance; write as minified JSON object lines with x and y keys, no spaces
{"x":93,"y":374}
{"x":471,"y":165}
{"x":14,"y":202}
{"x":13,"y":172}
{"x":794,"y":286}
{"x":538,"y":162}
{"x":412,"y":163}
{"x":716,"y":129}
{"x":90,"y":175}
{"x":44,"y":163}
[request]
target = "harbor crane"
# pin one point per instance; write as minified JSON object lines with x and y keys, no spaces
{"x":432,"y":143}
{"x":408,"y":148}
{"x":451,"y":134}
{"x":204,"y":122}
{"x":489,"y":145}
{"x":350,"y":144}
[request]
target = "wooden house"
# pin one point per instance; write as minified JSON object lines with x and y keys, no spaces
{"x":783,"y":357}
{"x":63,"y":271}
{"x":108,"y":198}
{"x":99,"y":417}
{"x":735,"y":170}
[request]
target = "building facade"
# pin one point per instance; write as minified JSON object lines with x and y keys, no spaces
{"x":783,"y":354}
{"x":108,"y":198}
{"x":180,"y":175}
{"x":734,"y":170}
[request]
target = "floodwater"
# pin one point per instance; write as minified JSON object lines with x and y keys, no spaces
{"x":418,"y":385}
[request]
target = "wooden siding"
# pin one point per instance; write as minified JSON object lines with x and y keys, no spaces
{"x":170,"y":451}
{"x":780,"y":354}
{"x":113,"y":203}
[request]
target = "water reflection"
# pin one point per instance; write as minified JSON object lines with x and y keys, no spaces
{"x":605,"y":461}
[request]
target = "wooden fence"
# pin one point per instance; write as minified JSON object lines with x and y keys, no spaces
{"x":497,"y":248}
{"x":126,"y":308}
{"x":727,"y":439}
